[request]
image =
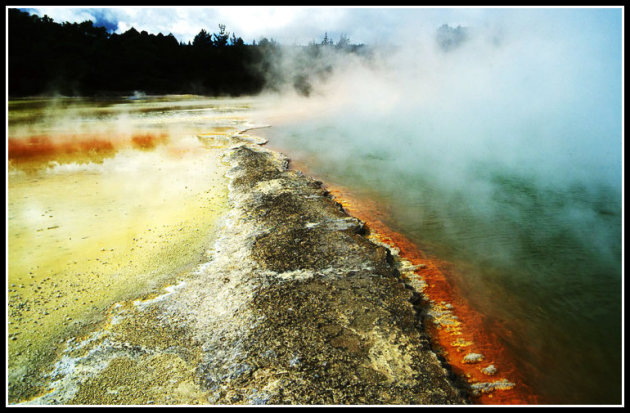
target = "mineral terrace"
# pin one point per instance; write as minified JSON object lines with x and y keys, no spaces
{"x":293,"y":306}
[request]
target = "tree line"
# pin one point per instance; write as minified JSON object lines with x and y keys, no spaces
{"x":80,"y":59}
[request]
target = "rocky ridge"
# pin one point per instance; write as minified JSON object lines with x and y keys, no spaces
{"x":295,"y":306}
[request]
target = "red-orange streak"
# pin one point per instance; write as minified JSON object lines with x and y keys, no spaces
{"x":49,"y":145}
{"x":148,"y":140}
{"x":438,"y":290}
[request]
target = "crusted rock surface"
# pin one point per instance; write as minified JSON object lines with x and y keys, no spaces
{"x":294,"y":306}
{"x":332,"y":323}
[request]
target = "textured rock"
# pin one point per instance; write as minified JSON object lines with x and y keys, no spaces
{"x":487,"y":387}
{"x":471,"y":358}
{"x":491,"y":370}
{"x":294,"y":306}
{"x":334,"y":322}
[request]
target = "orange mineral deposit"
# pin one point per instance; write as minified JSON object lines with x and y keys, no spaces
{"x":457,"y":331}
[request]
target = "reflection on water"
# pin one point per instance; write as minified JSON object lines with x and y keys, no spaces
{"x":107,"y":200}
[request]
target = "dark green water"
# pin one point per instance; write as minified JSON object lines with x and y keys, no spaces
{"x":540,"y":257}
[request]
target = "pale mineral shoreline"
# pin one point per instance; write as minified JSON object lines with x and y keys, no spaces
{"x":295,"y":306}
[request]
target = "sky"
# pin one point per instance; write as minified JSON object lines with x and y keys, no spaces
{"x":286,"y":24}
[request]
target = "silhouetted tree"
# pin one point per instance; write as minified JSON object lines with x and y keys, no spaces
{"x":326,"y":41}
{"x":221,"y":38}
{"x":202,"y":39}
{"x":82,"y":59}
{"x":449,"y":38}
{"x":237,"y":41}
{"x":343,"y":42}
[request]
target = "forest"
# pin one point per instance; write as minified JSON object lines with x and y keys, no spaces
{"x":80,"y":59}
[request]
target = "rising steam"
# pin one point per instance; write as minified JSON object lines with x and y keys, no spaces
{"x":472,"y":109}
{"x":538,"y":92}
{"x":496,"y":142}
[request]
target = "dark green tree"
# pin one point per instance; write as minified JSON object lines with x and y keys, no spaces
{"x":202,"y":39}
{"x":46,"y":57}
{"x":221,"y":38}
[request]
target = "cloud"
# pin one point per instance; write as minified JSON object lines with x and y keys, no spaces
{"x":286,"y":24}
{"x":105,"y":18}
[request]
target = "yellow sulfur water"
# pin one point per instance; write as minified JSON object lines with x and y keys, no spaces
{"x":87,"y":232}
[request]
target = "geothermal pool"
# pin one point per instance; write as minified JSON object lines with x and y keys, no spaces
{"x":111,"y":200}
{"x":540,"y":263}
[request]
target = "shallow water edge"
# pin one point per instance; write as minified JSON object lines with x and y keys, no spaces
{"x":295,"y":306}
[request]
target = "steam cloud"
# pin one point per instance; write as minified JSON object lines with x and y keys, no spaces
{"x":536,"y":91}
{"x":528,"y":98}
{"x":502,"y":139}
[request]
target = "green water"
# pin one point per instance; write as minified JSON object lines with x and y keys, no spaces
{"x":540,"y":259}
{"x":536,"y":245}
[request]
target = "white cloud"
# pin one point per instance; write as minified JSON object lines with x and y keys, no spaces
{"x":61,"y":14}
{"x":290,"y":24}
{"x":287,"y":24}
